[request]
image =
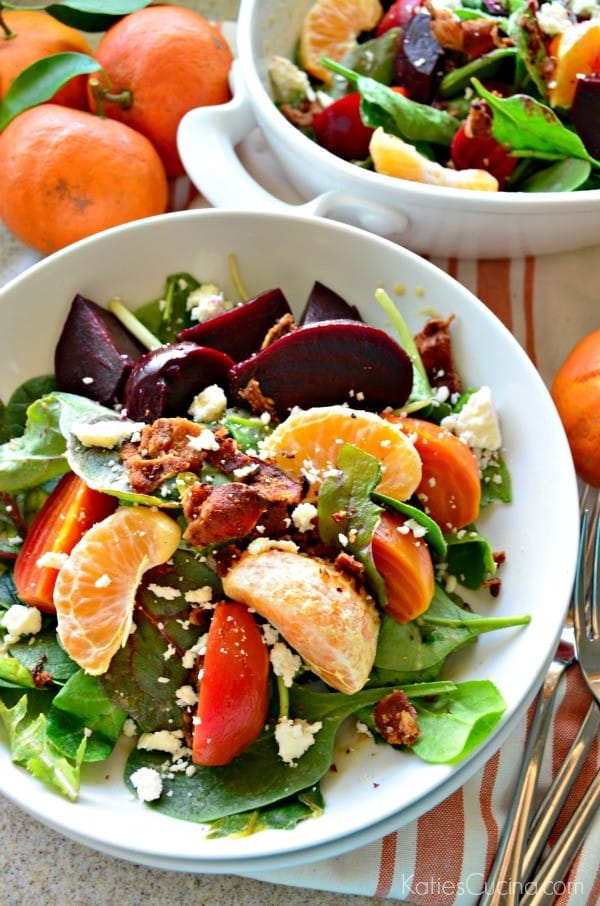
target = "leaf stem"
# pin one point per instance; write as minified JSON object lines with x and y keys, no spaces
{"x":133,"y":324}
{"x":340,"y":69}
{"x":284,"y":697}
{"x":237,"y":280}
{"x":482,"y":623}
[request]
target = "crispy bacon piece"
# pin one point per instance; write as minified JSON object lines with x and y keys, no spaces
{"x":471,"y":37}
{"x":230,"y":511}
{"x":302,"y":116}
{"x":273,"y":485}
{"x":396,"y":719}
{"x":435,"y":348}
{"x":284,"y":325}
{"x":166,"y":447}
{"x":258,"y":402}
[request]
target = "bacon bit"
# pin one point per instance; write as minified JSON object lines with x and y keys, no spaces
{"x":40,"y":676}
{"x":285,"y":324}
{"x":302,"y":116}
{"x":145,"y":475}
{"x":273,"y":485}
{"x":478,"y":123}
{"x":494,"y":585}
{"x":258,"y":402}
{"x":435,"y":348}
{"x":230,"y":511}
{"x":198,"y":616}
{"x":471,"y":37}
{"x":396,"y":719}
{"x":164,"y":449}
{"x":499,"y":557}
{"x":349,"y":564}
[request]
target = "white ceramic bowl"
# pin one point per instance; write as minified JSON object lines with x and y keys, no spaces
{"x":375,"y":788}
{"x":437,"y":222}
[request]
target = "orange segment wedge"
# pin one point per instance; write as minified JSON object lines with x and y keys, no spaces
{"x":307,"y":444}
{"x":577,"y":53}
{"x":95,"y":590}
{"x":331,"y":28}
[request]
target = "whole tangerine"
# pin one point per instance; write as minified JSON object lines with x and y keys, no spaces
{"x":576,"y":394}
{"x":31,"y":35}
{"x":66,"y":174}
{"x":171,"y":60}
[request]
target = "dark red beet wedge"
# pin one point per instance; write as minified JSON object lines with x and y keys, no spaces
{"x":585,"y":113}
{"x":327,"y":363}
{"x":165,"y":381}
{"x":326,"y":305}
{"x":94,"y":353}
{"x":240,"y":331}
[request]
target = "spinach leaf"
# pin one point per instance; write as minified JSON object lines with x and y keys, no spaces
{"x":81,"y":711}
{"x":44,"y":649}
{"x":13,"y":674}
{"x":15,"y":416}
{"x":458,"y":80}
{"x":162,"y":636}
{"x":39,"y":454}
{"x":345,"y":508}
{"x":374,"y":58}
{"x":92,"y":15}
{"x":454,"y":725}
{"x":167,"y":316}
{"x":469,"y":557}
{"x":31,"y":748}
{"x":416,"y":651}
{"x":496,"y":483}
{"x":421,"y":392}
{"x":564,"y":176}
{"x":531,"y":129}
{"x":285,"y":814}
{"x":246,"y":429}
{"x":411,"y":121}
{"x":434,"y":536}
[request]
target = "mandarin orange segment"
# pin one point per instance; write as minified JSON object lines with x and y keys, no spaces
{"x":307,"y":444}
{"x":393,"y":157}
{"x":95,"y":590}
{"x":577,"y":53}
{"x":319,"y":610}
{"x":331,"y":28}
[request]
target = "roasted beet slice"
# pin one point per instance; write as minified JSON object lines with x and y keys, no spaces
{"x":240,"y":331}
{"x":94,"y":353}
{"x":165,"y":380}
{"x":326,"y":363}
{"x":585,"y":113}
{"x":418,"y":59}
{"x":326,"y":305}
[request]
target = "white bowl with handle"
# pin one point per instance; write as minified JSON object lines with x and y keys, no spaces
{"x":424,"y":218}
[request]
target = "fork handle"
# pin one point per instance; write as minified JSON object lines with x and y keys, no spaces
{"x":542,"y":889}
{"x":502,"y":887}
{"x":552,"y":803}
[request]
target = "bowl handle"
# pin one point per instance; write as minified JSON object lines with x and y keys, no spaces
{"x":207,"y":138}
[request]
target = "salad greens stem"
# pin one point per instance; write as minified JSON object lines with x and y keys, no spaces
{"x":404,"y":334}
{"x":132,"y":324}
{"x":482,"y":623}
{"x":235,"y":276}
{"x":284,"y":697}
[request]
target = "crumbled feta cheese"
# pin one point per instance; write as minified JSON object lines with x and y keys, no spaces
{"x":270,"y":634}
{"x":105,"y":434}
{"x":167,"y":592}
{"x":294,"y":737}
{"x":209,"y":405}
{"x":206,"y":440}
{"x":52,"y":559}
{"x":553,"y":18}
{"x":289,"y":83}
{"x":20,"y":620}
{"x":170,"y":741}
{"x":207,"y":301}
{"x":129,"y":728}
{"x":189,"y":658}
{"x":285,"y":663}
{"x":260,"y":545}
{"x":147,"y":783}
{"x":477,"y":422}
{"x":186,"y":696}
{"x":199,"y":595}
{"x":303,"y":516}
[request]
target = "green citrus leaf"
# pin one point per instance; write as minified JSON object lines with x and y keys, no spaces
{"x":93,"y":15}
{"x":40,"y":81}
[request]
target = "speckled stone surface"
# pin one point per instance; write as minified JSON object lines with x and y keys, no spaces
{"x":38,"y":865}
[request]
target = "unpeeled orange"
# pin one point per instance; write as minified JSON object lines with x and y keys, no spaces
{"x":307,"y":444}
{"x":66,"y":174}
{"x":95,"y":590}
{"x":576,"y":394}
{"x":34,"y":35}
{"x":171,"y":60}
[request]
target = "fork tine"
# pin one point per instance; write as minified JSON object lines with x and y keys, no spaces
{"x":595,"y":588}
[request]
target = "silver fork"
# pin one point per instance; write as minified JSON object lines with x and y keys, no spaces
{"x":542,"y":888}
{"x":505,"y":880}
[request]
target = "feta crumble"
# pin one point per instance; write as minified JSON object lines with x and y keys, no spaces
{"x":105,"y":434}
{"x":303,"y":516}
{"x":147,"y":783}
{"x":285,"y":663}
{"x":20,"y":620}
{"x":294,"y":738}
{"x":477,"y":422}
{"x":209,"y":405}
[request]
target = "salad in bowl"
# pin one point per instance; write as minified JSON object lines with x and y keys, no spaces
{"x":245,"y":532}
